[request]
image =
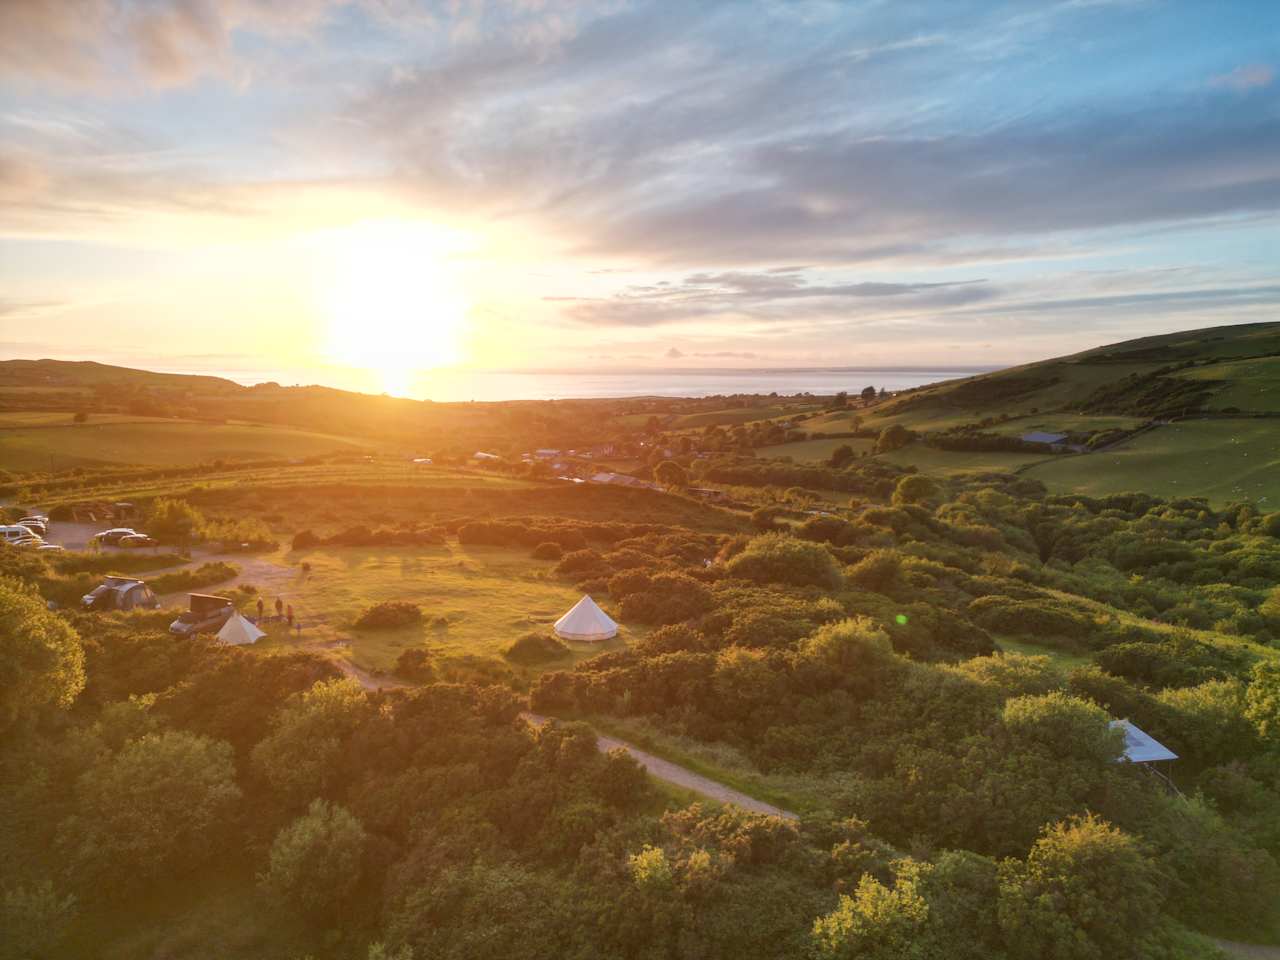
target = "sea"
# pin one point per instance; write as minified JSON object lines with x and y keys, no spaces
{"x":467,"y":385}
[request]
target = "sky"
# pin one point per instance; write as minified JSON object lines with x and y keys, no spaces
{"x":356,"y":192}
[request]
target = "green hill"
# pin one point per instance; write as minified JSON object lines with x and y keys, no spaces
{"x":1186,"y":414}
{"x":1219,"y":369}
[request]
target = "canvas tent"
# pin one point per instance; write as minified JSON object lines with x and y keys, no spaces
{"x":237,"y":631}
{"x":585,"y":621}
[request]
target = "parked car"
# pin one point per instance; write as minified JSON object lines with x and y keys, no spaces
{"x":13,"y":533}
{"x":30,"y":542}
{"x":51,"y":548}
{"x":114,"y":535}
{"x":120,"y":593}
{"x":206,"y":614}
{"x":36,"y":524}
{"x":136,"y":540}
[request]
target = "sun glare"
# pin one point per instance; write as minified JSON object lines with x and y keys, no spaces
{"x":393,"y":305}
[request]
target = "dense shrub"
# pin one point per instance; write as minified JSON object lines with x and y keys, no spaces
{"x":777,"y":558}
{"x":204,"y":575}
{"x":664,"y":598}
{"x":548,"y":551}
{"x":535,"y":648}
{"x":389,"y":614}
{"x":305,"y":540}
{"x":415,"y":665}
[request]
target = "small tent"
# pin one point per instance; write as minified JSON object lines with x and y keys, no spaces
{"x":585,"y":621}
{"x":237,"y":631}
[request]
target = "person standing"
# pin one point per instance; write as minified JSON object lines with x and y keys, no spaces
{"x":279,"y":608}
{"x":289,"y":615}
{"x":260,"y":609}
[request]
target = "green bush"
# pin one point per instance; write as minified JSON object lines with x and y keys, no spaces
{"x":548,"y":551}
{"x":204,"y":575}
{"x":777,"y":558}
{"x":388,"y":615}
{"x":535,"y":648}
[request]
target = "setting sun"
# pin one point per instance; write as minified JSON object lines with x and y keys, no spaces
{"x":393,"y":305}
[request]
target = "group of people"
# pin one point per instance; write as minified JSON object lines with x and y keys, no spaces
{"x":283,"y":612}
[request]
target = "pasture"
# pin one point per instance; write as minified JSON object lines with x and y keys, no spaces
{"x":815,"y":450}
{"x":1223,"y":460}
{"x":1065,"y":423}
{"x":155,"y":442}
{"x":950,"y":463}
{"x":1253,"y":385}
{"x":735,"y":415}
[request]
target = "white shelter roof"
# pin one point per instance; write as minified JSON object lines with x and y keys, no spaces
{"x":238,"y":631}
{"x":1141,"y":747}
{"x":586,"y":621}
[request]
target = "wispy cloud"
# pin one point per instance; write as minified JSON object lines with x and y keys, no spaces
{"x":1251,"y":77}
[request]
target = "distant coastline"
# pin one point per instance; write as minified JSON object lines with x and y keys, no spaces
{"x":499,"y":385}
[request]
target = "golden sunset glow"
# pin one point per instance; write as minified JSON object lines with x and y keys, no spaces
{"x":393,"y":304}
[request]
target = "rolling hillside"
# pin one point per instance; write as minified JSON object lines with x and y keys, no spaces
{"x":1187,"y":414}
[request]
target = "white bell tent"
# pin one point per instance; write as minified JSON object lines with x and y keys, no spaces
{"x":586,"y":621}
{"x":238,"y":631}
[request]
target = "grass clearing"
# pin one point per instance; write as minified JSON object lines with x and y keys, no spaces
{"x":1062,"y":658}
{"x":815,"y":451}
{"x":1223,"y":460}
{"x":158,"y":443}
{"x":950,"y":463}
{"x":475,"y":600}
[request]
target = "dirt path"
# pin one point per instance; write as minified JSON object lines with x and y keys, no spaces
{"x":680,"y":776}
{"x":1248,"y":951}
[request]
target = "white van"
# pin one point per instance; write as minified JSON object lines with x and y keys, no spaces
{"x":13,"y":532}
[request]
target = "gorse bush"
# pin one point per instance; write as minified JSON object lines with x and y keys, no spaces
{"x":777,"y":558}
{"x":535,"y":648}
{"x":207,"y":574}
{"x":388,"y":615}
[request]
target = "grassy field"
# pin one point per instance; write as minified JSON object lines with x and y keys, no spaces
{"x":157,"y":443}
{"x":1223,"y":460}
{"x":1065,"y":423}
{"x":476,"y":600}
{"x":47,"y":418}
{"x":813,"y":451}
{"x":949,"y":463}
{"x":1254,"y":384}
{"x":234,"y":482}
{"x":735,"y":415}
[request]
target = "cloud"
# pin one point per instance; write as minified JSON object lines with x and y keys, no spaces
{"x":92,"y":43}
{"x":1254,"y":76}
{"x":673,"y":354}
{"x":765,"y":296}
{"x":1265,"y":295}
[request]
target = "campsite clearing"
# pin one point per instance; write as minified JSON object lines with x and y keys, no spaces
{"x":475,"y":601}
